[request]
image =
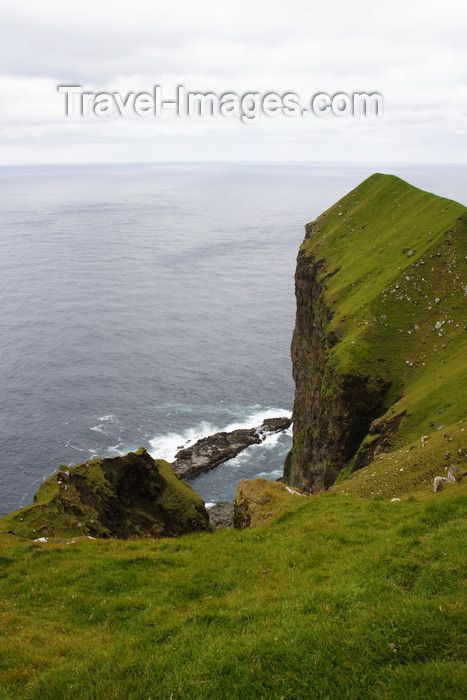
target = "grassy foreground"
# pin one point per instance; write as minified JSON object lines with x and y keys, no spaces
{"x":340,"y":597}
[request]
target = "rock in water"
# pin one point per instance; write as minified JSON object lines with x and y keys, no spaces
{"x":125,"y":497}
{"x":209,"y":452}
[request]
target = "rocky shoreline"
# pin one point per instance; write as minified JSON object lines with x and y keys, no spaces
{"x":209,"y":452}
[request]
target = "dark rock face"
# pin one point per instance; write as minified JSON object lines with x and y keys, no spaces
{"x":222,"y":515}
{"x":141,"y":501}
{"x":211,"y":451}
{"x":124,"y":497}
{"x":332,"y":413}
{"x":381,"y":438}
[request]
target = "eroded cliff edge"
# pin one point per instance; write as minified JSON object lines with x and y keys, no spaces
{"x":380,"y":328}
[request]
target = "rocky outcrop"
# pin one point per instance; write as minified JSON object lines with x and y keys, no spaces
{"x":221,"y":515}
{"x":450,"y":478}
{"x":124,"y":497}
{"x":258,"y":501}
{"x":209,"y":452}
{"x":380,"y":438}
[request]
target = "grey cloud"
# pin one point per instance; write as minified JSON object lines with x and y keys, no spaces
{"x":414,"y":53}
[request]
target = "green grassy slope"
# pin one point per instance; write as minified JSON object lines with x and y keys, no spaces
{"x":411,"y":467}
{"x":396,"y":282}
{"x":340,"y":597}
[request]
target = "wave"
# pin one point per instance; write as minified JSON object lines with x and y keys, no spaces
{"x":167,"y":445}
{"x":258,"y":417}
{"x":275,"y":473}
{"x":101,"y":427}
{"x":98,"y":428}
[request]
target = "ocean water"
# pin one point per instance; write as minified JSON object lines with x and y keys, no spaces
{"x":154,"y":304}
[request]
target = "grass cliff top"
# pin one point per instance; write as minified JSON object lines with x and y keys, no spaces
{"x":395,"y":272}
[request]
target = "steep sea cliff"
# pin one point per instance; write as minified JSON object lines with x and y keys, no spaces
{"x":380,"y":330}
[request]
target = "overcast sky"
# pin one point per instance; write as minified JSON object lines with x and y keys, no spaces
{"x":413,"y":52}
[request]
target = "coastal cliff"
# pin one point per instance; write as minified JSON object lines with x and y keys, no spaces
{"x":379,"y":335}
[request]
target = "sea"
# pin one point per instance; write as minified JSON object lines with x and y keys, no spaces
{"x":153,"y":304}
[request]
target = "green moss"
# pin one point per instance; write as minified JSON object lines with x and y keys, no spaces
{"x":178,"y":496}
{"x":345,"y":473}
{"x":330,"y":386}
{"x":259,"y":502}
{"x":47,"y":490}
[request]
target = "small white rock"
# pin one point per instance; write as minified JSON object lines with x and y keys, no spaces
{"x":296,"y":493}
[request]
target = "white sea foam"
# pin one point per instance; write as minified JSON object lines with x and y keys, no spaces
{"x":118,"y":449}
{"x":166,"y":446}
{"x":101,"y":427}
{"x":258,"y":417}
{"x":271,"y":441}
{"x":242,"y":458}
{"x":276,"y":473}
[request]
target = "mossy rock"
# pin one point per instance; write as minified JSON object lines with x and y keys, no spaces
{"x":259,"y":501}
{"x":125,"y":497}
